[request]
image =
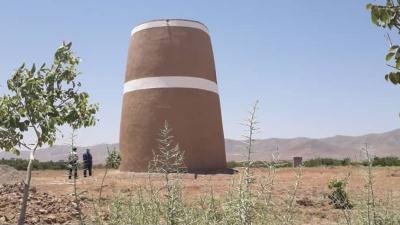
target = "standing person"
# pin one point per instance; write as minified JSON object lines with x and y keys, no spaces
{"x":87,"y":163}
{"x":73,"y":163}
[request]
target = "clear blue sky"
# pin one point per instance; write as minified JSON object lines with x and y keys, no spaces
{"x":316,"y":66}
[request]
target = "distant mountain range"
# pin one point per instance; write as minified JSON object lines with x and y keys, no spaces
{"x":382,"y":144}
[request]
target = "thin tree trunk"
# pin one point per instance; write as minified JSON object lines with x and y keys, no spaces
{"x":77,"y":201}
{"x":27,"y":184}
{"x":102,"y":183}
{"x":104,"y":177}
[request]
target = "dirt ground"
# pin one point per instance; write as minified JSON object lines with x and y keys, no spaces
{"x":313,"y":186}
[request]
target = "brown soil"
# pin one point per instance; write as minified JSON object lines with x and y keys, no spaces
{"x":312,"y":203}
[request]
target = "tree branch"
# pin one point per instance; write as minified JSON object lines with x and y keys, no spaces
{"x":389,"y":39}
{"x":63,"y":102}
{"x":392,"y":66}
{"x":25,"y":145}
{"x":36,"y":131}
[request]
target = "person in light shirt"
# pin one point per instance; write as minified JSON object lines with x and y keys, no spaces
{"x":73,"y":163}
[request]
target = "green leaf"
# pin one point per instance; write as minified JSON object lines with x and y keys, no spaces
{"x":15,"y":151}
{"x":33,"y":69}
{"x":393,"y":47}
{"x":383,"y":15}
{"x":389,"y":56}
{"x":393,"y":77}
{"x":374,"y":16}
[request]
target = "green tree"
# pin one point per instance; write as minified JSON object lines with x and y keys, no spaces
{"x":39,"y":101}
{"x":113,"y":159}
{"x":388,"y":16}
{"x":339,"y":197}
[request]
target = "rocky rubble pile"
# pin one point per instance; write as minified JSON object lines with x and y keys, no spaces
{"x":43,"y":208}
{"x":10,"y":175}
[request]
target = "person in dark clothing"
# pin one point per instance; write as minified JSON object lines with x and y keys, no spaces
{"x":73,"y":163}
{"x":87,"y":163}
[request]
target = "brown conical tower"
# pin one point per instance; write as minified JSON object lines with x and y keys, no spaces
{"x":170,"y":76}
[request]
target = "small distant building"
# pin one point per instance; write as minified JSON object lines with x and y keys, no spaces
{"x":297,"y":161}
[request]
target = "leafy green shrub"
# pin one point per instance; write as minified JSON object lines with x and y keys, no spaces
{"x":233,"y":164}
{"x":346,"y":162}
{"x":21,"y":164}
{"x":326,"y":162}
{"x":339,"y":197}
{"x":261,"y":164}
{"x":113,"y":159}
{"x":386,"y":161}
{"x":289,"y":163}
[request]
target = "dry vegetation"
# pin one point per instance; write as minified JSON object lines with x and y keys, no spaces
{"x":311,"y":205}
{"x":251,"y":196}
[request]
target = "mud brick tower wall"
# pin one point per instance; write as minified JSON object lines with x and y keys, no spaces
{"x":170,"y":76}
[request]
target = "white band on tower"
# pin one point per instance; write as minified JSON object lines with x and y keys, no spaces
{"x":170,"y":23}
{"x":170,"y":82}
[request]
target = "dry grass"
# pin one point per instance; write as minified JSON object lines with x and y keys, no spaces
{"x":313,"y":188}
